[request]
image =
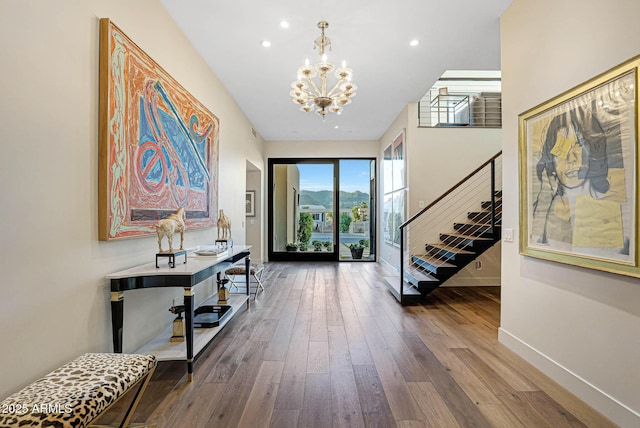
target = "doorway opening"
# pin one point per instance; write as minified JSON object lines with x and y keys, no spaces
{"x":254,"y":234}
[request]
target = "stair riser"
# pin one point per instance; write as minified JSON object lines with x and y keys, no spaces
{"x":427,"y":287}
{"x":474,"y":229}
{"x":406,"y":300}
{"x":442,"y":274}
{"x":437,"y":271}
{"x":447,"y":255}
{"x":457,"y":242}
{"x":483,"y":217}
{"x":486,"y":205}
{"x":468,"y":244}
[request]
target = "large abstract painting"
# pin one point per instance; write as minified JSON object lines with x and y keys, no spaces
{"x":578,"y":175}
{"x":158,"y":144}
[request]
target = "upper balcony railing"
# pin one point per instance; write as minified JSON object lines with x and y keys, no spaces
{"x":441,"y":108}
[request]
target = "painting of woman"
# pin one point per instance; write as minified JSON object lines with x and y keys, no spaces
{"x":581,"y":180}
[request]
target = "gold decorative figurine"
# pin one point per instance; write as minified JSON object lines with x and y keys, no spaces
{"x":223,"y":291}
{"x":178,"y":324}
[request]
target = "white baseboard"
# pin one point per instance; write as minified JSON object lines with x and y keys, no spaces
{"x":489,"y":281}
{"x":613,"y":409}
{"x":388,"y":265}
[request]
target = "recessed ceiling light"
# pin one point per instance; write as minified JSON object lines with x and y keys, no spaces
{"x":336,"y":127}
{"x":414,"y":42}
{"x":284,"y":24}
{"x":265,"y":43}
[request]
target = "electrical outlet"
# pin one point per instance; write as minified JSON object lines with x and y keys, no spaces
{"x":478,"y":265}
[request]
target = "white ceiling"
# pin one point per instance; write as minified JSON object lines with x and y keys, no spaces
{"x":371,"y":35}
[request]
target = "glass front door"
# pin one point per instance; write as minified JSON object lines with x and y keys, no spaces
{"x":322,"y":209}
{"x":356,"y":233}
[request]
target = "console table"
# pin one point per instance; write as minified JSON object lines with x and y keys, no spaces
{"x":187,"y":276}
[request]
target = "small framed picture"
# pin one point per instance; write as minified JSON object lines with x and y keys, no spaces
{"x":250,"y":203}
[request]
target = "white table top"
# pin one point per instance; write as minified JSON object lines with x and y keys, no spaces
{"x":194,"y":264}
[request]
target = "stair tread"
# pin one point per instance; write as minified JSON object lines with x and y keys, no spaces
{"x":420,"y":274}
{"x":459,"y":235}
{"x":474,"y":223}
{"x":455,"y":250}
{"x":486,"y":212}
{"x":487,"y":204}
{"x":434,"y":261}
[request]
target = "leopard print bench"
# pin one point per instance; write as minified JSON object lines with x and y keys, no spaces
{"x":78,"y":392}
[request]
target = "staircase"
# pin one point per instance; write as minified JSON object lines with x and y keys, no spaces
{"x":448,"y":234}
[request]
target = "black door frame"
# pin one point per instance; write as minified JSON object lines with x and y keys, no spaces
{"x":311,"y":255}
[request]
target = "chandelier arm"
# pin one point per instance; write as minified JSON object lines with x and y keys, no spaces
{"x":307,"y":94}
{"x":302,"y":97}
{"x":315,"y":87}
{"x":323,"y":79}
{"x":336,"y":86}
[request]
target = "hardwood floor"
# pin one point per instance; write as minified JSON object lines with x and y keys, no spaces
{"x":327,"y":346}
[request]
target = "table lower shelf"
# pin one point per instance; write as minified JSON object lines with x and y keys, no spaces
{"x":165,"y":350}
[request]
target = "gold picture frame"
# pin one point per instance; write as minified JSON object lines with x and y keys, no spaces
{"x":578,"y":174}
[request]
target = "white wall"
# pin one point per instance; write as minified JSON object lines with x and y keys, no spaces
{"x":55,"y":300}
{"x":254,"y":224}
{"x":321,"y":149}
{"x":578,"y":325}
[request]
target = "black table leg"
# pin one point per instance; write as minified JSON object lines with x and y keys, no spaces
{"x":117,"y":311}
{"x":188,"y":317}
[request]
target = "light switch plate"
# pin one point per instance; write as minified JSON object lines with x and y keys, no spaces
{"x":508,"y":235}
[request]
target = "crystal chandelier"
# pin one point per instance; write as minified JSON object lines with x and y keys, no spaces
{"x":309,"y":95}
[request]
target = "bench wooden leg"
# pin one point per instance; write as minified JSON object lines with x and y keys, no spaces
{"x":126,"y":419}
